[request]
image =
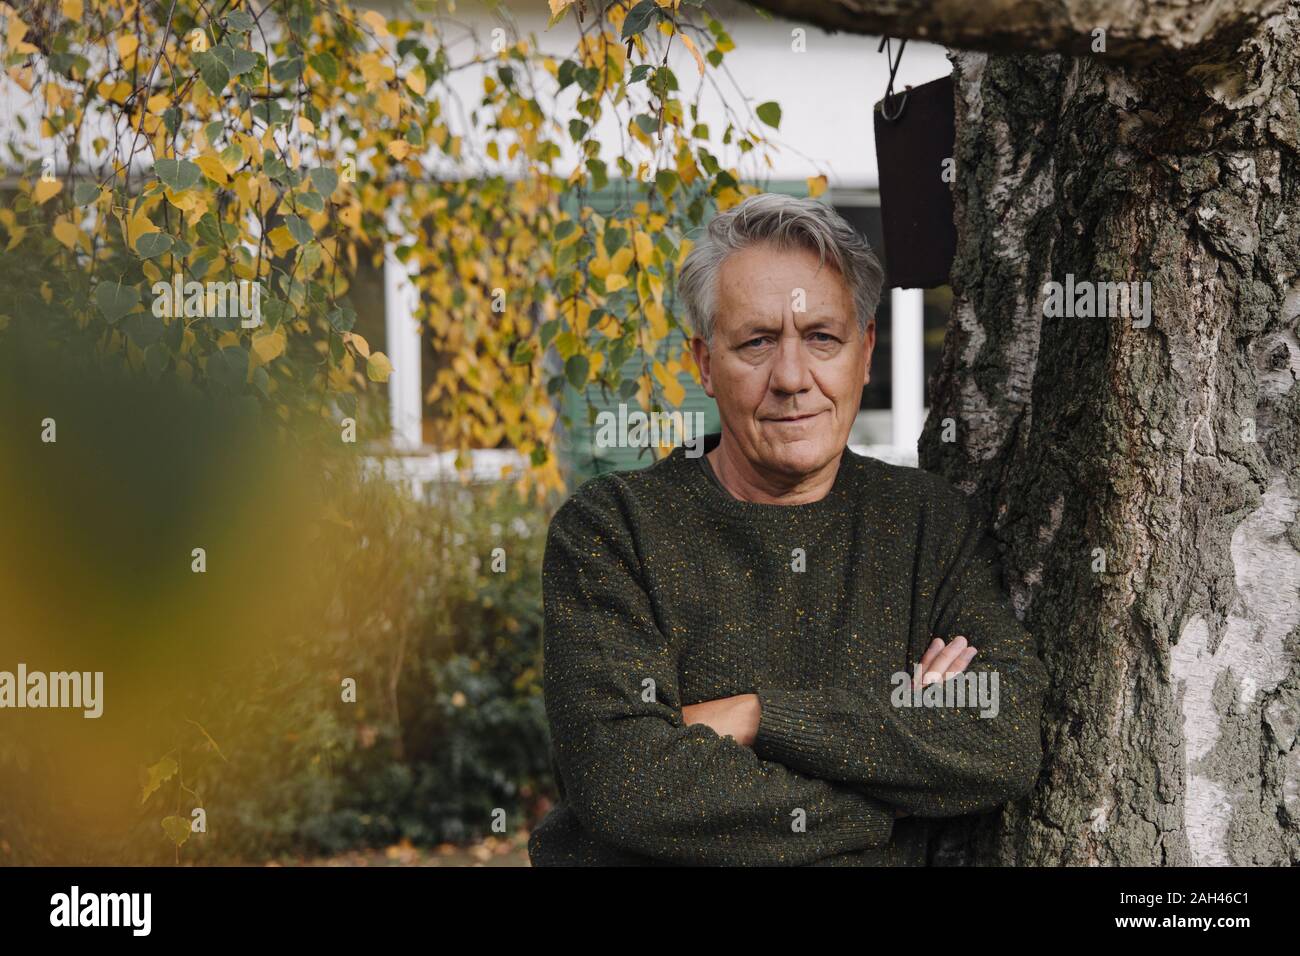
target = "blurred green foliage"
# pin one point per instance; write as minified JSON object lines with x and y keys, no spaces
{"x":448,"y":724}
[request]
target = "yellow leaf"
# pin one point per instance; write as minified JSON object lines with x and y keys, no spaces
{"x":644,"y":250}
{"x":16,"y":234}
{"x":416,"y":81}
{"x":46,"y":189}
{"x":375,"y":20}
{"x":281,"y":240}
{"x":140,"y":223}
{"x":268,"y":345}
{"x":658,"y":320}
{"x":126,"y":45}
{"x":559,"y":6}
{"x":683,"y":250}
{"x":675,"y":392}
{"x":232,"y":157}
{"x":622,"y":259}
{"x":399,"y":149}
{"x":65,"y":232}
{"x":728,"y":197}
{"x":72,"y":9}
{"x":358,"y":343}
{"x":15,"y":41}
{"x":615,"y":282}
{"x":378,"y":368}
{"x":213,"y":169}
{"x":816,"y":186}
{"x":389,"y":104}
{"x":690,"y":45}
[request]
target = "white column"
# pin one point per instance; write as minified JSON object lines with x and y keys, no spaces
{"x":907,"y":368}
{"x":405,"y":397}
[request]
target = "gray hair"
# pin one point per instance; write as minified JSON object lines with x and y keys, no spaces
{"x":784,"y":221}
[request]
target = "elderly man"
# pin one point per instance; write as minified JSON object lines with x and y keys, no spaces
{"x":724,"y":634}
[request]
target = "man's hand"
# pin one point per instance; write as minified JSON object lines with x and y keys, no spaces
{"x":942,"y":661}
{"x":735,"y":717}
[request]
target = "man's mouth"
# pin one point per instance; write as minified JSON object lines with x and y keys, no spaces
{"x":799,"y":417}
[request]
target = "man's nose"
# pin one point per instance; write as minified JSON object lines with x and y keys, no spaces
{"x":790,"y":372}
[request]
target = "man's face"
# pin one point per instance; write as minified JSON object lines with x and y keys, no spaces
{"x":788,"y":362}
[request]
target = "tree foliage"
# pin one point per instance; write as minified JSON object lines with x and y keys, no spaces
{"x":283,"y":143}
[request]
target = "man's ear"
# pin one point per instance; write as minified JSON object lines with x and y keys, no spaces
{"x":700,"y":349}
{"x":868,"y":346}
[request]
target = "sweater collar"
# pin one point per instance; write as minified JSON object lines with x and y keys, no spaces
{"x":714,"y":496}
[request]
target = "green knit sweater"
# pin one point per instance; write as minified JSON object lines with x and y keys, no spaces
{"x":661,"y":590}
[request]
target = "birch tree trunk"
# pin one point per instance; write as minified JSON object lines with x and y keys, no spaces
{"x":1144,"y":482}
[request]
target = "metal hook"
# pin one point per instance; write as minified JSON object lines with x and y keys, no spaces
{"x":893,"y":71}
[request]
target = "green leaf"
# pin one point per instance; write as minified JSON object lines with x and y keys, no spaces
{"x":152,"y":244}
{"x":588,"y":78}
{"x":177,"y":174}
{"x":239,"y":21}
{"x":342,"y":318}
{"x":143,"y":328}
{"x":229,"y":367}
{"x":564,"y":229}
{"x":615,"y":239}
{"x":235,"y":61}
{"x":116,"y":300}
{"x":663,"y":82}
{"x":325,"y":180}
{"x":639,"y":18}
{"x":325,"y":65}
{"x":378,"y":367}
{"x":666,"y":180}
{"x":177,"y":829}
{"x":299,"y":229}
{"x":566,"y":73}
{"x":287,"y":71}
{"x":647,"y":124}
{"x":639,"y":72}
{"x":769,"y":113}
{"x":576,"y":370}
{"x":213,"y":71}
{"x":160,"y":772}
{"x":85,"y":193}
{"x":209,"y":230}
{"x":311,"y":201}
{"x":523,"y":353}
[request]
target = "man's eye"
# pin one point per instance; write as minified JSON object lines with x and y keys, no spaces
{"x":823,"y":337}
{"x":754,"y":343}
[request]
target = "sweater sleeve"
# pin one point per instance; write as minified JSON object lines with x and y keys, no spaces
{"x":634,"y":774}
{"x":930,"y":761}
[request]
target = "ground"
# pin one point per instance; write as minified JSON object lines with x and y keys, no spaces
{"x":493,"y":851}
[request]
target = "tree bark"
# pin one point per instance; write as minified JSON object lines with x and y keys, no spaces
{"x":1135,"y":30}
{"x":1171,"y":451}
